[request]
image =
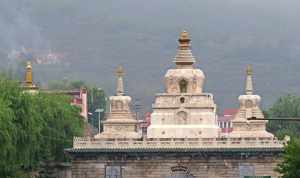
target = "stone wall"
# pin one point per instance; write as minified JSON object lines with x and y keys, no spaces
{"x":159,"y":166}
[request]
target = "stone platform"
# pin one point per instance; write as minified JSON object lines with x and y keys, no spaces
{"x":205,"y":158}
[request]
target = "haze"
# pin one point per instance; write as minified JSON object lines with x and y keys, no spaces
{"x":91,"y":38}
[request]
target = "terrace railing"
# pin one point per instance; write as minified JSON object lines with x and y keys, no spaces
{"x":92,"y":143}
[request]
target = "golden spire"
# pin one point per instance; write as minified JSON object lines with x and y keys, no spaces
{"x":184,"y":40}
{"x":120,"y":71}
{"x":249,"y":70}
{"x":28,"y":75}
{"x":184,"y":57}
{"x":120,"y":86}
{"x":249,"y":82}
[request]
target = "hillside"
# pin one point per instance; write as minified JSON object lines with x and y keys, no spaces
{"x":90,"y":38}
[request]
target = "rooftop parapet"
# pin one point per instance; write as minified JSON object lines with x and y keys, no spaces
{"x":186,"y":144}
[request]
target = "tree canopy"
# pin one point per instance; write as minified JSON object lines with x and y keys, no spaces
{"x":285,"y":107}
{"x":96,"y":97}
{"x":34,"y":129}
{"x":290,"y":167}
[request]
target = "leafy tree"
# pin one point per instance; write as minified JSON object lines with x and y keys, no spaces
{"x":34,"y":129}
{"x":290,"y":167}
{"x":284,"y":107}
{"x":66,"y":84}
{"x":96,"y":97}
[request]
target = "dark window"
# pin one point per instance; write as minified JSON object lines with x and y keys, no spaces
{"x":113,"y":172}
{"x":182,"y":100}
{"x":183,"y":86}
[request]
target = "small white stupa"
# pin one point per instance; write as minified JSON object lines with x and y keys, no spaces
{"x":249,"y":108}
{"x":120,"y":122}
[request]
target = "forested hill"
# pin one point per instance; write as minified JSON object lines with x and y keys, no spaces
{"x":88,"y":39}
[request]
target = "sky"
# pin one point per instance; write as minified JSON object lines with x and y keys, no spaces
{"x":91,"y":38}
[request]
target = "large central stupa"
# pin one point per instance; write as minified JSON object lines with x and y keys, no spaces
{"x":184,"y":110}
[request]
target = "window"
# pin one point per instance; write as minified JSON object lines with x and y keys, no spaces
{"x":183,"y":86}
{"x":182,"y":100}
{"x":113,"y":172}
{"x":246,"y":169}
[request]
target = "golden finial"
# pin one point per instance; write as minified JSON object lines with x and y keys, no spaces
{"x":120,"y":86}
{"x":28,"y":77}
{"x":184,"y":40}
{"x":184,"y":57}
{"x":120,"y":71}
{"x":249,"y":82}
{"x":249,"y":70}
{"x":28,"y":66}
{"x":184,"y":35}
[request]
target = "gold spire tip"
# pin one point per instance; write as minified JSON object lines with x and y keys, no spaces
{"x":120,"y":71}
{"x":28,"y":74}
{"x":184,"y":40}
{"x":28,"y":64}
{"x":184,"y":35}
{"x":249,"y":70}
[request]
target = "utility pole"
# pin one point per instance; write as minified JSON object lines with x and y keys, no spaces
{"x":99,"y":110}
{"x":137,"y":107}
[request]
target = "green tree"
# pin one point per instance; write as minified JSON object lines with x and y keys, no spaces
{"x":285,"y":107}
{"x":290,"y":167}
{"x":96,"y":97}
{"x":34,"y":129}
{"x":66,"y":84}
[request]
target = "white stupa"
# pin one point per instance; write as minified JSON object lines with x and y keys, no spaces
{"x":184,"y":111}
{"x":120,"y":122}
{"x":249,"y":108}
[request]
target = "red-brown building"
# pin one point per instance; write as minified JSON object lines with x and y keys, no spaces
{"x":224,"y":121}
{"x":145,"y":123}
{"x":79,"y":98}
